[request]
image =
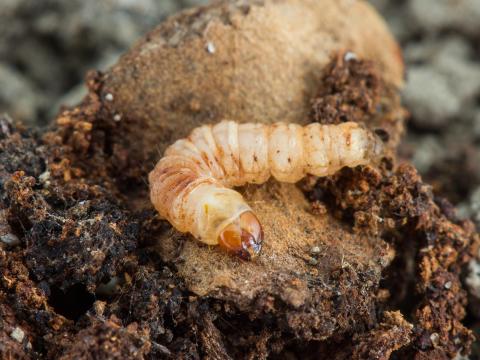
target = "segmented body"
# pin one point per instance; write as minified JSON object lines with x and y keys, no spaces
{"x":191,"y":185}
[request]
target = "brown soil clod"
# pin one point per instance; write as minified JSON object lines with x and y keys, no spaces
{"x":388,"y":336}
{"x":315,"y":294}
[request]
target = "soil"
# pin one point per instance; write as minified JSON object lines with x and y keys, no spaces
{"x":367,"y":264}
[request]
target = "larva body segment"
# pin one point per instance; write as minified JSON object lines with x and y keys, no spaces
{"x":253,"y":151}
{"x":286,"y":152}
{"x":191,"y":185}
{"x":328,"y":148}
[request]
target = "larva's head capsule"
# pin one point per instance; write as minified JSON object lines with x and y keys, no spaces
{"x":242,"y":237}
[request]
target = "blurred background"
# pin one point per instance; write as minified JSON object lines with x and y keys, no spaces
{"x":47,"y":46}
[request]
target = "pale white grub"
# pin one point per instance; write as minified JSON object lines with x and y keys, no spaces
{"x":191,"y":186}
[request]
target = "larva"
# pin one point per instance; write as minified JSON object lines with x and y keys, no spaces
{"x":191,"y":185}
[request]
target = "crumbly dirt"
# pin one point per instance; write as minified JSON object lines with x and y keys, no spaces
{"x":363,"y":264}
{"x":389,"y":335}
{"x":433,"y":247}
{"x":313,"y":271}
{"x":432,"y":244}
{"x":353,"y":90}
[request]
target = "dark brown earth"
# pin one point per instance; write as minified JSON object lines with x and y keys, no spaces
{"x":77,"y":203}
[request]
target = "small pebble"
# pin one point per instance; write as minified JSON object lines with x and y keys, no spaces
{"x":17,"y":334}
{"x":211,"y":47}
{"x":99,"y":307}
{"x":349,"y":56}
{"x":117,"y":117}
{"x":448,"y":285}
{"x":5,"y":123}
{"x":110,"y":288}
{"x":10,"y":239}
{"x":44,"y":177}
{"x":315,"y":250}
{"x":109,"y":97}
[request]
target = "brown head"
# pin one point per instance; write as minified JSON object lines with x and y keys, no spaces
{"x":242,"y":237}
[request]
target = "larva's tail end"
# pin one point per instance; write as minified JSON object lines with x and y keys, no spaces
{"x":243,"y":237}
